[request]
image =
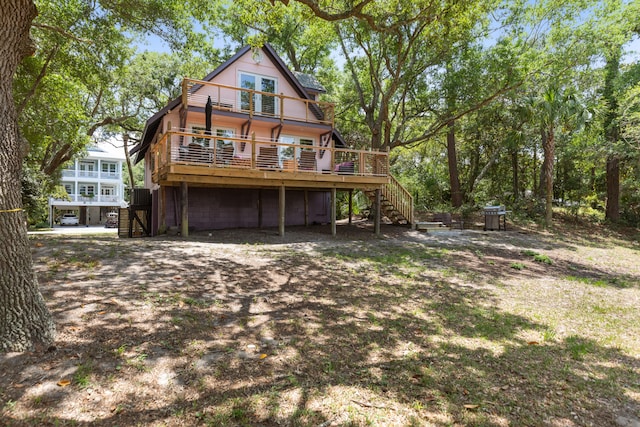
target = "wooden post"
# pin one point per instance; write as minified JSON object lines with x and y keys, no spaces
{"x":281,"y":216}
{"x":259,"y":208}
{"x":376,"y":225}
{"x":162,"y":210}
{"x":306,"y":208}
{"x":333,"y":212}
{"x":184,"y":207}
{"x":350,"y":205}
{"x":253,"y":150}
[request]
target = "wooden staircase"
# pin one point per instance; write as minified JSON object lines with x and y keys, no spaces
{"x":395,"y":202}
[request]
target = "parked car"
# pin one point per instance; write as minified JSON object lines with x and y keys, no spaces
{"x":112,"y":220}
{"x":69,"y":219}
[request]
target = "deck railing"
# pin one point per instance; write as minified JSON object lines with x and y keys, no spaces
{"x":255,"y":102}
{"x":182,"y":147}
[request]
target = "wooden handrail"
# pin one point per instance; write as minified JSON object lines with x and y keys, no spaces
{"x":399,"y":197}
{"x":326,"y":108}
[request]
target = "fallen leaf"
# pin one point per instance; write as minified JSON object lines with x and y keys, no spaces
{"x":263,"y":356}
{"x":63,"y":383}
{"x":102,"y":312}
{"x":471,"y":406}
{"x":533,"y":343}
{"x":177,"y":278}
{"x":39,"y":245}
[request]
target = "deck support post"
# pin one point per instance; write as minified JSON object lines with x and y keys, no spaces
{"x":259,"y":208}
{"x":350,"y":205}
{"x":281,"y":211}
{"x":184,"y":209}
{"x":376,"y":224}
{"x":162,"y":210}
{"x":333,"y":212}
{"x":306,"y":208}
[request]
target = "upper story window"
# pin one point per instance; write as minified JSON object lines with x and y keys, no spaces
{"x":109,"y":168}
{"x":258,"y":103}
{"x":87,"y":169}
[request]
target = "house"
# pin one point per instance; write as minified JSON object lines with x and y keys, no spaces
{"x":251,"y":145}
{"x":94,"y":186}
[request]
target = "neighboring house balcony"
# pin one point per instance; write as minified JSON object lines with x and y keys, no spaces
{"x":250,"y":103}
{"x":181,"y":156}
{"x":88,"y":199}
{"x":72,"y":173}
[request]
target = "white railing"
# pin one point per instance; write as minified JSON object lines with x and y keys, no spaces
{"x":109,"y":175}
{"x":87,"y":174}
{"x":79,"y":198}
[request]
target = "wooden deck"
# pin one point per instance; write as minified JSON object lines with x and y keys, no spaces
{"x":264,"y":164}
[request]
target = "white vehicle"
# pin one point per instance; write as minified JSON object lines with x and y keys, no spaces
{"x":69,"y":219}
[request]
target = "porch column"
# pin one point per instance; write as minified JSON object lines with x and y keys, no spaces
{"x":376,"y":224}
{"x":281,"y":211}
{"x":184,"y":209}
{"x":333,"y":211}
{"x":350,"y":205}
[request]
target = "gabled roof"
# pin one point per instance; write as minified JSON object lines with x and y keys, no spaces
{"x":153,"y":123}
{"x":309,"y":82}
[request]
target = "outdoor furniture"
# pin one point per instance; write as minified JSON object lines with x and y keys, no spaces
{"x":267,"y":158}
{"x":447,"y":219}
{"x":224,"y":155}
{"x":345,"y":168}
{"x":307,"y":161}
{"x":195,"y":153}
{"x":492,"y":217}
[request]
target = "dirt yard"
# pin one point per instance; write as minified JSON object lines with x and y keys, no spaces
{"x":245,"y":328}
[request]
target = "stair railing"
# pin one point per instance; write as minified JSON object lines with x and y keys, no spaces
{"x":399,"y":197}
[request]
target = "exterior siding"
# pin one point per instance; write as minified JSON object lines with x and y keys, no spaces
{"x":219,"y":208}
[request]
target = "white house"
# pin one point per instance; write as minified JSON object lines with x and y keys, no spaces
{"x":94,"y":185}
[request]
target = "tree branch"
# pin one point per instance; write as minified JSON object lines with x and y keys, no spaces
{"x":62,"y":32}
{"x":37,"y":81}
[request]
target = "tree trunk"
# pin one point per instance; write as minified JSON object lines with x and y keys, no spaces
{"x":549,"y":150}
{"x":452,"y":158}
{"x":613,"y":188}
{"x":612,"y":133}
{"x":515,"y":183}
{"x":125,"y":143}
{"x":25,"y":321}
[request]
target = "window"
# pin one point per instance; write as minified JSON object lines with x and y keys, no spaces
{"x":107,"y":190}
{"x":87,"y":189}
{"x":69,"y":188}
{"x":200,"y":130}
{"x":306,"y":141}
{"x":286,"y":153}
{"x":109,"y":167}
{"x":259,"y":103}
{"x":87,"y":169}
{"x":228,"y":133}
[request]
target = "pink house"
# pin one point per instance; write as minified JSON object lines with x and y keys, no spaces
{"x":251,"y":145}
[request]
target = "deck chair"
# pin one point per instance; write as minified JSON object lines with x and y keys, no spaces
{"x":197,"y":153}
{"x":224,"y":155}
{"x":307,"y":161}
{"x":267,"y":158}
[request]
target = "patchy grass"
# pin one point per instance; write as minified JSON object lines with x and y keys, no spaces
{"x":246,"y":329}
